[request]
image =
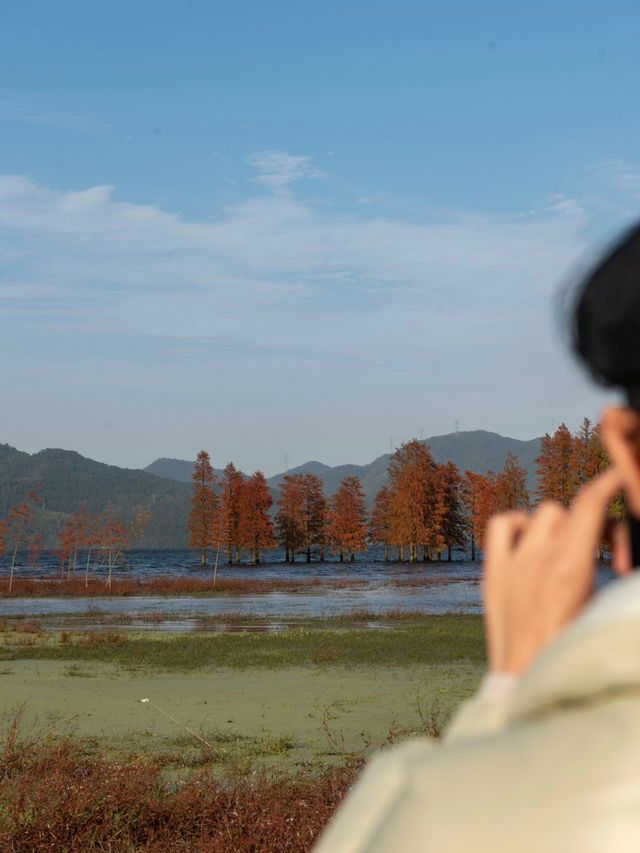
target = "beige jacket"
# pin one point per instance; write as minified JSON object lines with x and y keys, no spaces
{"x":551,"y":765}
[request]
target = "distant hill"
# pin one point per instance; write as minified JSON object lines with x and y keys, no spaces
{"x":476,"y":450}
{"x":67,"y":480}
{"x":179,"y":470}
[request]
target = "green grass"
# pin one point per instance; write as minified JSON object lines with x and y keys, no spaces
{"x":431,"y":640}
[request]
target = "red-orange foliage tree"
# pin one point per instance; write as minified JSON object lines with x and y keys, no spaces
{"x":557,"y":470}
{"x":481,"y":503}
{"x":416,"y":500}
{"x":315,"y":515}
{"x":453,"y":525}
{"x":290,"y":517}
{"x":511,"y":486}
{"x":65,"y":547}
{"x":231,"y":509}
{"x":591,"y":456}
{"x":116,"y":536}
{"x":21,"y":518}
{"x":256,"y":525}
{"x":348,"y":519}
{"x":380,"y":522}
{"x":203,"y":518}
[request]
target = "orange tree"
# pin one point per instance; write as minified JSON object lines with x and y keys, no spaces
{"x":203,"y":518}
{"x":255,"y":523}
{"x":380,"y":521}
{"x":348,"y":519}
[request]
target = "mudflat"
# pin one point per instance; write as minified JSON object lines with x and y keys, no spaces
{"x":304,"y":696}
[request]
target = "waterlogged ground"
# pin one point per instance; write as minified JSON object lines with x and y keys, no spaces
{"x":303,"y":695}
{"x":318,"y":589}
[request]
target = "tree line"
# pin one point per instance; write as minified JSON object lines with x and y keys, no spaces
{"x":425,"y":510}
{"x":236,"y":516}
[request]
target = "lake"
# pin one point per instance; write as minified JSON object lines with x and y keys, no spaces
{"x":376,"y":586}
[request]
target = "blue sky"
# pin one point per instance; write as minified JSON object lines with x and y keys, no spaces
{"x":301,"y":228}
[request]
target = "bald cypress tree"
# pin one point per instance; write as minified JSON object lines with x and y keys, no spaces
{"x":204,"y":507}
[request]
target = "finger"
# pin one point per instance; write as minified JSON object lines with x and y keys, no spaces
{"x":620,"y":544}
{"x":620,"y":433}
{"x":503,"y":532}
{"x":546,"y":521}
{"x":587,"y":515}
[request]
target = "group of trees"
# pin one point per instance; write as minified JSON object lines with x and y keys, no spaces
{"x":428,"y":508}
{"x":235,"y":516}
{"x":83,"y":536}
{"x":233,"y":520}
{"x":567,"y":460}
{"x":84,"y":541}
{"x":424,"y":510}
{"x":306,"y":521}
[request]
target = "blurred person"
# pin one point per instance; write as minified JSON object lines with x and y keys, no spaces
{"x":546,"y":756}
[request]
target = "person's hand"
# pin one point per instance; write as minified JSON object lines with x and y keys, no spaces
{"x":621,"y":436}
{"x":539,"y":571}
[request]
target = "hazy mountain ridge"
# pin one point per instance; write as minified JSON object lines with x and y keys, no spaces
{"x":66,"y":480}
{"x":476,"y":450}
{"x":179,"y":470}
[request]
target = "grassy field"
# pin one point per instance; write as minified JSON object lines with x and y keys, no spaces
{"x":306,"y":702}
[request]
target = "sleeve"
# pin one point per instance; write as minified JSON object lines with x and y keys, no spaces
{"x":485,"y":712}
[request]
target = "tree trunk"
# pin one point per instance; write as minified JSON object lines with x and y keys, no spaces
{"x":449,"y":554}
{"x":473,"y":546}
{"x":341,"y":557}
{"x":353,"y":557}
{"x":203,"y":556}
{"x":256,"y":557}
{"x":308,"y":553}
{"x":86,"y":569}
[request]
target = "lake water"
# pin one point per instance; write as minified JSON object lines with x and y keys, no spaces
{"x":377,"y":586}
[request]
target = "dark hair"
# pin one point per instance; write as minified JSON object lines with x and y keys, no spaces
{"x":606,"y":316}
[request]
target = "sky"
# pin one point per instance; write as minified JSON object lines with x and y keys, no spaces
{"x":298,"y":230}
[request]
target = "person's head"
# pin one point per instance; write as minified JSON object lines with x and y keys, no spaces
{"x":606,"y":336}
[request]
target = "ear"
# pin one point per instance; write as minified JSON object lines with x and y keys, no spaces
{"x":621,"y":437}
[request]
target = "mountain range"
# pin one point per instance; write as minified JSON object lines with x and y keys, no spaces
{"x":476,"y":450}
{"x":66,"y":480}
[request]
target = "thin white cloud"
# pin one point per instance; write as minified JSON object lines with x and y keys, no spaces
{"x":278,"y":169}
